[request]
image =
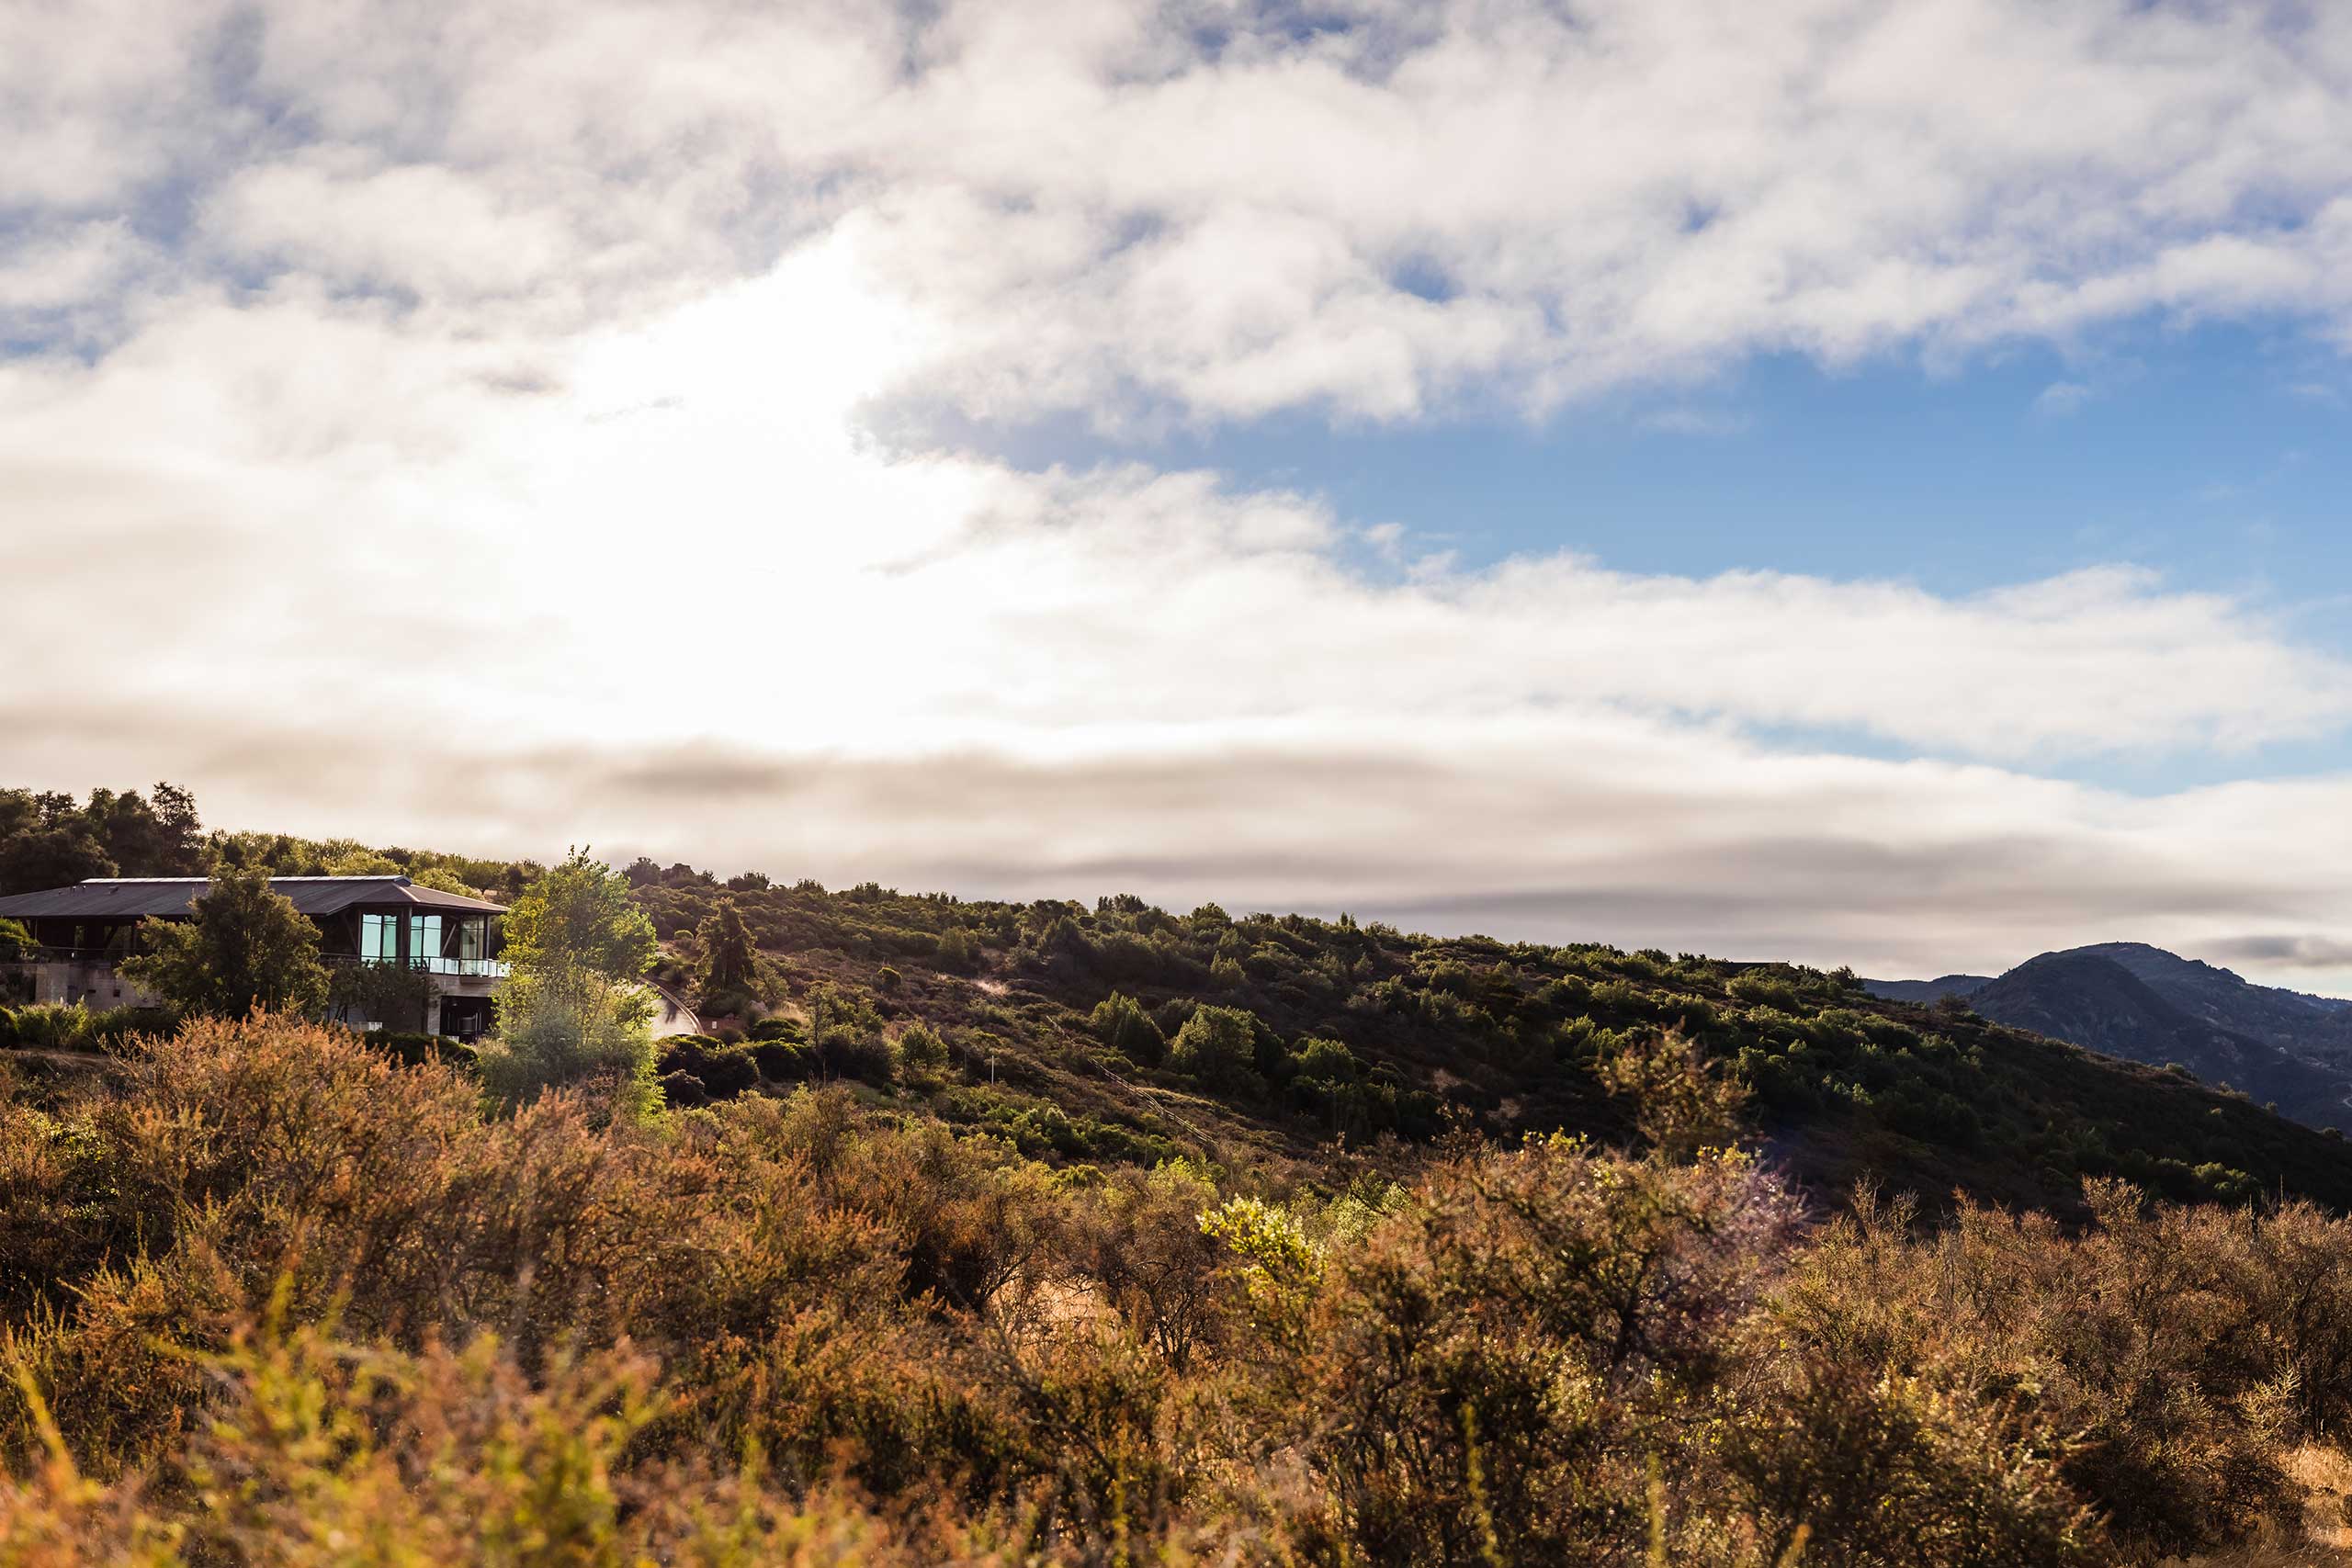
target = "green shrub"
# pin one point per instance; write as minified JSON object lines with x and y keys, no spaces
{"x":784,"y":1060}
{"x":559,"y":1037}
{"x":1218,"y":1046}
{"x":923,"y":1055}
{"x":865,"y":1057}
{"x":723,"y":1070}
{"x":57,"y":1026}
{"x":1325,"y":1061}
{"x":413,"y":1049}
{"x":1120,"y":1022}
{"x":955,"y":952}
{"x":728,"y":1072}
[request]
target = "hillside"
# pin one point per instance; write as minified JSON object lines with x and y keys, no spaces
{"x":1075,"y":1237}
{"x":1472,"y":1032}
{"x":1368,"y":1041}
{"x":2316,"y":1028}
{"x":1927,"y":992}
{"x":2095,"y":1002}
{"x":2272,"y":1045}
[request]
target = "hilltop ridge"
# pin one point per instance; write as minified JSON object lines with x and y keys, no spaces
{"x":2145,"y":1004}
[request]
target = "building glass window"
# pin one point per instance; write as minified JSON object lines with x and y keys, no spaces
{"x":379,"y":937}
{"x":424,"y":937}
{"x":471,"y":937}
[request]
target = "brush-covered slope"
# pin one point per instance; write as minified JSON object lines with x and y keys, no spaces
{"x":2318,"y":1029}
{"x":2274,"y":1045}
{"x":1359,"y":1032}
{"x":1927,"y":992}
{"x":2094,"y":1001}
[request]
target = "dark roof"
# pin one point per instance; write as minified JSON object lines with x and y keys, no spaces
{"x":136,"y":898}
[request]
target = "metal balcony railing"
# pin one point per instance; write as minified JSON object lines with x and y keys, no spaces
{"x":489,"y":968}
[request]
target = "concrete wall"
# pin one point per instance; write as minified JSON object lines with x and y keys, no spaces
{"x":95,"y":984}
{"x":92,"y":983}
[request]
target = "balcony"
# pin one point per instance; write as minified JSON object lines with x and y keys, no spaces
{"x":457,"y":968}
{"x":484,"y":969}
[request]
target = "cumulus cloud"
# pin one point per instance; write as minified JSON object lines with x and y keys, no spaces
{"x":460,"y":420}
{"x":1212,"y":209}
{"x":651,"y":587}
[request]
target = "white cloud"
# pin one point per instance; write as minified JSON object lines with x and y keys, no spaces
{"x":651,"y":587}
{"x":462,"y":463}
{"x":2063,"y":398}
{"x":1100,"y":212}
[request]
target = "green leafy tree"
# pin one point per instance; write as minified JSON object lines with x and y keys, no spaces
{"x":577,"y":927}
{"x":148,"y":836}
{"x":573,"y":1010}
{"x":1120,"y":1022}
{"x":923,"y":1055}
{"x":955,"y":952}
{"x":45,"y":841}
{"x":1326,"y":1061}
{"x":730,"y":963}
{"x":247,"y":947}
{"x":1218,"y":1046}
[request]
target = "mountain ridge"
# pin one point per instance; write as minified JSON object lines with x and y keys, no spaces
{"x":2145,"y":1004}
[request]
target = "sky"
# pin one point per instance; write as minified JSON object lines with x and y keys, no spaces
{"x":1854,"y":483}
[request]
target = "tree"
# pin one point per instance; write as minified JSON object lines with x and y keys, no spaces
{"x":571,"y":1009}
{"x":578,"y":920}
{"x":148,"y":838}
{"x":1216,"y":1045}
{"x":358,"y":860}
{"x":1120,"y":1022}
{"x":731,"y":963}
{"x":955,"y":951}
{"x":247,"y":947}
{"x":923,"y":1055}
{"x":49,"y":848}
{"x":49,"y":841}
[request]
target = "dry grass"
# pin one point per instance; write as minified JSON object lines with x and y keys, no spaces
{"x":2326,"y":1477}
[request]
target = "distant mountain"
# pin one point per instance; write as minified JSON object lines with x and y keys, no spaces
{"x":2316,"y":1028}
{"x":2147,"y":1005}
{"x":1927,"y":992}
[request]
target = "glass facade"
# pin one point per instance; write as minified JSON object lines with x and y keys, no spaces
{"x":379,"y":937}
{"x":438,"y":944}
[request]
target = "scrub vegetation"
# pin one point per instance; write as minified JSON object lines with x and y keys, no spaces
{"x":989,"y":1233}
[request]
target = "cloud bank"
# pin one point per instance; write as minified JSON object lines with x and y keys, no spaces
{"x":460,"y":425}
{"x":1220,"y":209}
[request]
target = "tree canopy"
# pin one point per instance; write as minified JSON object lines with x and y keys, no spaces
{"x":574,"y":1009}
{"x":246,"y":947}
{"x":578,"y":923}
